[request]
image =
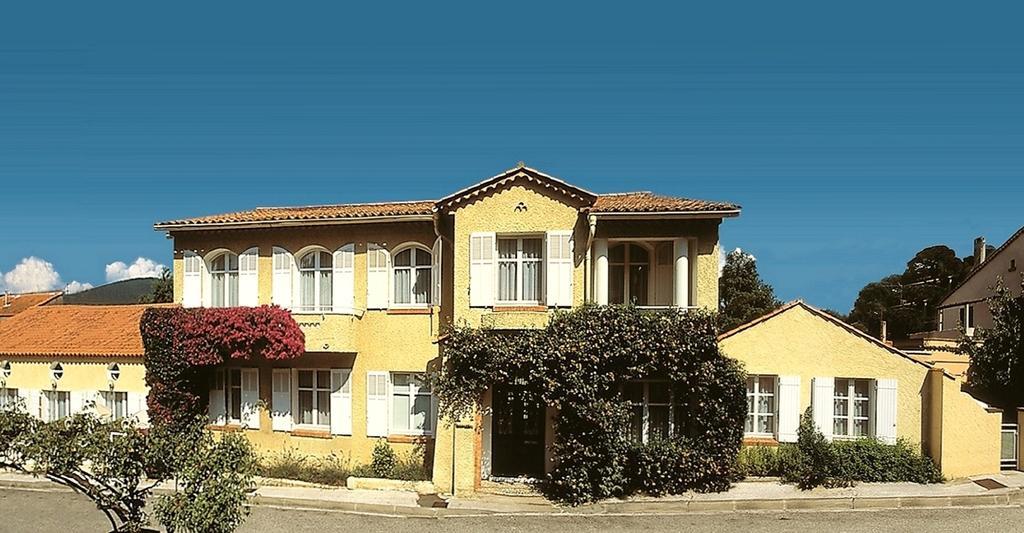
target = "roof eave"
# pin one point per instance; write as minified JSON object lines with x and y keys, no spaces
{"x":291,"y":223}
{"x":612,"y":215}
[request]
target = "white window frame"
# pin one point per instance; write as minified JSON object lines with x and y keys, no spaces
{"x":53,"y":400}
{"x":317,"y":306}
{"x":112,"y":399}
{"x":413,"y":250}
{"x":646,"y":402}
{"x":228,"y":279}
{"x":414,"y":392}
{"x":519,"y":261}
{"x":223,"y":383}
{"x":8,"y":398}
{"x":316,"y":390}
{"x":626,"y":263}
{"x":851,"y":404}
{"x":757,"y":395}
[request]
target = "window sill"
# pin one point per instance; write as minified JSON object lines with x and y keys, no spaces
{"x":226,"y":428}
{"x":409,"y":439}
{"x":410,"y":311}
{"x":760,"y":440}
{"x":312,"y":433}
{"x":520,"y":309}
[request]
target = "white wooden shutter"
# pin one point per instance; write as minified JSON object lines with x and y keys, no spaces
{"x":206,"y":283}
{"x":377,"y":293}
{"x":251,"y":398}
{"x":248,"y":278}
{"x":341,"y":401}
{"x":281,"y":400}
{"x":281,"y":293}
{"x":823,"y":404}
{"x":31,"y":398}
{"x":789,"y":408}
{"x":76,"y":399}
{"x":192,"y":281}
{"x":217,"y":407}
{"x":558,"y":268}
{"x":377,"y":404}
{"x":137,"y":407}
{"x":344,"y":279}
{"x":435,"y":273}
{"x":885,"y":410}
{"x":481,"y":269}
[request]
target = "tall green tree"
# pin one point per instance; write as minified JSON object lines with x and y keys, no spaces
{"x":743,"y":295}
{"x":907,"y":301}
{"x":163,"y":289}
{"x":996,"y":372}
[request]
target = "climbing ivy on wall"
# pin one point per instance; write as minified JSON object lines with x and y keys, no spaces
{"x":578,"y":364}
{"x":182,"y":345}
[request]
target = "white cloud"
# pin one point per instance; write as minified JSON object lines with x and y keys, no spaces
{"x":141,"y":268}
{"x":33,"y":274}
{"x":76,"y":286}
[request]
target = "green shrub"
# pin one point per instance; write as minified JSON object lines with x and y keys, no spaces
{"x":328,"y":470}
{"x":578,"y":363}
{"x":843,"y":463}
{"x":767,"y":461}
{"x":384,"y":460}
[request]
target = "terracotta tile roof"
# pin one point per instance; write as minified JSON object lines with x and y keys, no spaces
{"x":310,"y":213}
{"x":74,"y":331}
{"x":648,"y":202}
{"x":12,"y":304}
{"x":631,"y":202}
{"x":521,"y":172}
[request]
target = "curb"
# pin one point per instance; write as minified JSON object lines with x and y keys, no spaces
{"x":1002,"y":498}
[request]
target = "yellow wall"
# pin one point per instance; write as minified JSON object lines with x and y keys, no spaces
{"x":80,"y":374}
{"x":368,"y":340}
{"x":497,"y":212}
{"x":970,"y":434}
{"x":799,"y":342}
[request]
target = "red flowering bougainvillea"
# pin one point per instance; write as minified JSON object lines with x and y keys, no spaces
{"x":182,"y":345}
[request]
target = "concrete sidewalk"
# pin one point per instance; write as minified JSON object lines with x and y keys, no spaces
{"x":1007,"y":490}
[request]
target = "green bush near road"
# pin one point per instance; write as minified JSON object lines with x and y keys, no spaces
{"x":334,"y":470}
{"x":767,"y":461}
{"x":843,"y":463}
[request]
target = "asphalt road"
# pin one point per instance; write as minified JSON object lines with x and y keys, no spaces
{"x":28,"y":511}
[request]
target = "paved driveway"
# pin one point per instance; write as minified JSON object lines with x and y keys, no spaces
{"x":27,"y":511}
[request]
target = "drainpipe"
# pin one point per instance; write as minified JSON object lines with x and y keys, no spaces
{"x":588,"y":278}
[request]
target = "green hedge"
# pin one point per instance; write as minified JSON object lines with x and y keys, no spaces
{"x":578,"y":363}
{"x":842,"y":463}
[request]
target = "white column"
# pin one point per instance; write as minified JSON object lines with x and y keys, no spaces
{"x":681,"y":273}
{"x":601,"y":271}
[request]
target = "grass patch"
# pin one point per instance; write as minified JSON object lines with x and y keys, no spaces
{"x":335,"y":469}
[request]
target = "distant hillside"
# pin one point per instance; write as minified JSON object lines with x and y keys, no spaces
{"x":127,"y":291}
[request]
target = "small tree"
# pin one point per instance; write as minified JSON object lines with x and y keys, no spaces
{"x":213,"y":479}
{"x":107,"y":461}
{"x":996,"y":372}
{"x":103,"y":460}
{"x":743,"y":295}
{"x":163,"y":289}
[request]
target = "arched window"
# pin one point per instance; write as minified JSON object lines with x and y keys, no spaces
{"x":629,"y":269}
{"x":224,"y":280}
{"x":315,"y":281}
{"x":412,"y":272}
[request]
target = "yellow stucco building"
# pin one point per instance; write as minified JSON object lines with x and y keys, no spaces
{"x":372,"y":286}
{"x":61,"y":359}
{"x":799,"y":357}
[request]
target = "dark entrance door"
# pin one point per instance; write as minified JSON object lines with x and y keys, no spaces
{"x":517,"y":433}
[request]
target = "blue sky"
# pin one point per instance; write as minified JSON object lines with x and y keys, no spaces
{"x":853,"y":136}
